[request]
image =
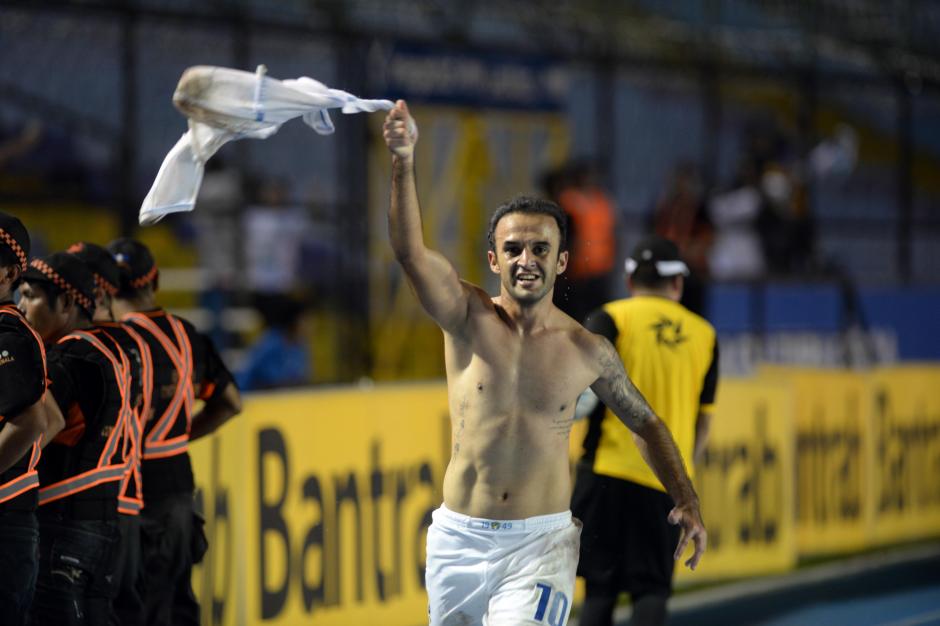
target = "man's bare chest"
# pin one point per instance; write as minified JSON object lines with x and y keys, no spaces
{"x":528,"y":375}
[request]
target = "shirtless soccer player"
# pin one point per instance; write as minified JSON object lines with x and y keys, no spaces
{"x":503,"y":548}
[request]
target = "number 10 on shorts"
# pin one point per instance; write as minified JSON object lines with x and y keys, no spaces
{"x":559,"y":606}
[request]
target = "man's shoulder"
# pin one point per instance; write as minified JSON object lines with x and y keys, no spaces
{"x":164,"y":320}
{"x":189,"y":327}
{"x":77,"y":344}
{"x":639,"y":308}
{"x":194,"y":334}
{"x":590,"y":344}
{"x":122,"y":334}
{"x":479,"y":297}
{"x":12,"y":324}
{"x":19,"y":349}
{"x":618,"y":305}
{"x":701,"y":324}
{"x":116,"y":330}
{"x":12,"y":330}
{"x":74,"y":355}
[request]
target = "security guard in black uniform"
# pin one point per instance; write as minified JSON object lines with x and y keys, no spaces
{"x":186,"y":367}
{"x":127,"y":607}
{"x":82,"y":467}
{"x":24,"y":417}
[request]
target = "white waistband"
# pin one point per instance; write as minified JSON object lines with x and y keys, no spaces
{"x":539,"y":522}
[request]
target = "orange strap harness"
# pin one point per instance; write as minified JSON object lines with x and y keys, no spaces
{"x":132,"y":503}
{"x":30,"y":478}
{"x":156,"y":444}
{"x":109,"y":468}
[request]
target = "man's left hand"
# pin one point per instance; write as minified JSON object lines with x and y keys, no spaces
{"x":689,"y":517}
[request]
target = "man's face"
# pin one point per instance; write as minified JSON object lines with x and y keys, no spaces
{"x":527,"y":258}
{"x":48,"y":321}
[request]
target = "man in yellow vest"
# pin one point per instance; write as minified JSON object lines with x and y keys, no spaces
{"x":671,"y":354}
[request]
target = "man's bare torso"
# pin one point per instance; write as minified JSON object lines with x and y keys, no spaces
{"x":512,"y":397}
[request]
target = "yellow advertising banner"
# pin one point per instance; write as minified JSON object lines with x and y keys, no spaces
{"x":219,"y":464}
{"x":317,"y":505}
{"x":906,"y":472}
{"x":318,"y":502}
{"x":833,"y":457}
{"x":745,"y":483}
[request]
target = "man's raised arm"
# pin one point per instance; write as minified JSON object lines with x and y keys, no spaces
{"x":616,"y":390}
{"x":433,"y":277}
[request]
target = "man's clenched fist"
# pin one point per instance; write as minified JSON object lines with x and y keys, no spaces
{"x":400,"y":131}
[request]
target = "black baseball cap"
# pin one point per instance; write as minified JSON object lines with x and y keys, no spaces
{"x":15,"y":237}
{"x":69,"y":274}
{"x":136,"y":263}
{"x":656,"y":257}
{"x":100,"y":262}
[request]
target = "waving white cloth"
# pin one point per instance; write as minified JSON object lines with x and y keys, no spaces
{"x":223,"y":105}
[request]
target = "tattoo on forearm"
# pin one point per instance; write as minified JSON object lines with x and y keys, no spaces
{"x":625,"y":400}
{"x":619,"y":392}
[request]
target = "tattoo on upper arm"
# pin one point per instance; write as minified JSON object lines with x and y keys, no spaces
{"x":618,"y":391}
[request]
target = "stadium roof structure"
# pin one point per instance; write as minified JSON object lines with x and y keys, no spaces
{"x":854,"y":38}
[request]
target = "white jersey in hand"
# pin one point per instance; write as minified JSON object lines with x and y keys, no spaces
{"x":223,"y":105}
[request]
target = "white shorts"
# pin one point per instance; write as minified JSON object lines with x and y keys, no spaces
{"x":501,"y":572}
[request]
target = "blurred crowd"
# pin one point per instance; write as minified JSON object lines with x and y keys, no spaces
{"x":756,"y":225}
{"x":255,"y":244}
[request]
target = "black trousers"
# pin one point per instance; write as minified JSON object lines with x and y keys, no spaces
{"x":627,"y":543}
{"x":128,"y":606}
{"x":76,"y":567}
{"x":167,"y":533}
{"x":19,"y":565}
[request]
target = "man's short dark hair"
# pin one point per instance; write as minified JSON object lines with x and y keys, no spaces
{"x":7,"y":257}
{"x":530,"y":205}
{"x":138,"y":268}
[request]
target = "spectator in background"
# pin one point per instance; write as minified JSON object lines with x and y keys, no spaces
{"x":680,"y":216}
{"x":592,"y":238}
{"x":274,"y":234}
{"x":217,"y":223}
{"x":764,"y":225}
{"x":784,"y":227}
{"x":280,"y":358}
{"x":737,"y":252}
